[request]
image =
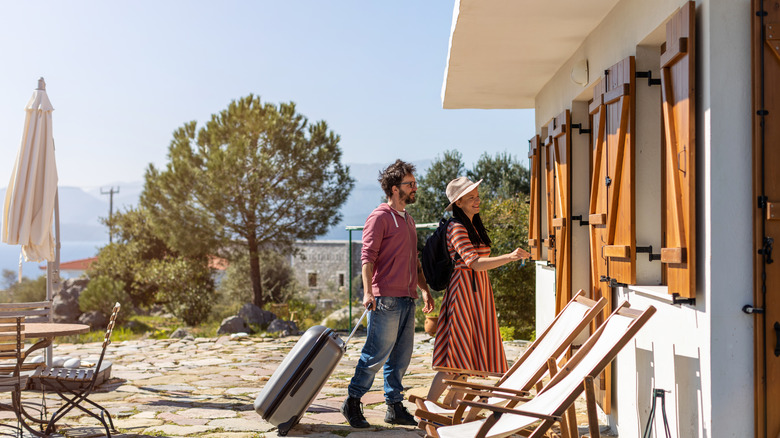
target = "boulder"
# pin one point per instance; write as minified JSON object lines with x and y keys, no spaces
{"x":65,"y":304}
{"x":95,"y":319}
{"x":287,"y":328}
{"x":255,"y":315}
{"x":179,"y":333}
{"x":340,"y":318}
{"x":233,"y":324}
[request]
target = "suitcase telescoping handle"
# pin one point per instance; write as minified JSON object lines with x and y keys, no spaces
{"x":355,"y":329}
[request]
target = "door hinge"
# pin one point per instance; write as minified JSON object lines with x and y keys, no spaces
{"x":579,"y":218}
{"x":578,"y":126}
{"x":649,"y":75}
{"x":649,"y":251}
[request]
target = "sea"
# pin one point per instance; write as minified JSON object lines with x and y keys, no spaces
{"x":69,"y":251}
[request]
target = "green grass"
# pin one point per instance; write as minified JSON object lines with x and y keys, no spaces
{"x":139,"y":326}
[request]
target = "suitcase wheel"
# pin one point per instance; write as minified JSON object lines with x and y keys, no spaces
{"x":285,"y":427}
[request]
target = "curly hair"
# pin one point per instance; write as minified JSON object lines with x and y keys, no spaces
{"x":394,"y":175}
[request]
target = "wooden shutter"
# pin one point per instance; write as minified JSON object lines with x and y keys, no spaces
{"x":612,"y":211}
{"x":597,"y":206}
{"x":535,"y":210}
{"x":766,"y":187}
{"x":549,"y":187}
{"x":560,"y":129}
{"x":678,"y":93}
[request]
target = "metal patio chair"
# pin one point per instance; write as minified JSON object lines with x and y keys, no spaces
{"x":75,"y":385}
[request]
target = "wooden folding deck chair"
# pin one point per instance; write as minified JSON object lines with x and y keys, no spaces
{"x":75,"y":385}
{"x":538,"y":415}
{"x":525,"y":373}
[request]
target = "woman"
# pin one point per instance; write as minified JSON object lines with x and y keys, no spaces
{"x":467,"y":334}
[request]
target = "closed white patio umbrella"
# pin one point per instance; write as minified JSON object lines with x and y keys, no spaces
{"x":31,"y":197}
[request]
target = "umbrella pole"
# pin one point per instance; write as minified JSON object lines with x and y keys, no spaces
{"x":53,"y":269}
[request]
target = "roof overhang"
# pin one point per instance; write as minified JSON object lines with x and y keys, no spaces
{"x":502,"y":52}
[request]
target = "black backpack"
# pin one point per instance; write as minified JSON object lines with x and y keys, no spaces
{"x":436,"y":262}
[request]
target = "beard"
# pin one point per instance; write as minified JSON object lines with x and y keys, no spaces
{"x":408,"y":197}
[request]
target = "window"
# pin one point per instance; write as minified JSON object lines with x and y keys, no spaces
{"x":312,"y":279}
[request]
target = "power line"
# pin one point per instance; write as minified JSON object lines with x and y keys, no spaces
{"x":110,"y":192}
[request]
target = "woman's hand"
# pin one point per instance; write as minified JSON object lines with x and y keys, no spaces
{"x":518,"y":254}
{"x":485,"y":263}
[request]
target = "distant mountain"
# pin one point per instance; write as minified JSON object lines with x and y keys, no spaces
{"x":79,"y":215}
{"x":82,"y":208}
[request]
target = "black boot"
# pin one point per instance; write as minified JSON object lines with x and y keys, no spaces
{"x":397,"y":414}
{"x":353,"y":412}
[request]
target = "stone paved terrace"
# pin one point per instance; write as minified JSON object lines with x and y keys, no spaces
{"x":206,"y":387}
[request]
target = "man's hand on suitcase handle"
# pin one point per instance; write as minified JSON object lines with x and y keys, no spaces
{"x":369,"y":302}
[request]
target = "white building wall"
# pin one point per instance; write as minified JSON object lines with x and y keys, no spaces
{"x":545,"y":296}
{"x":727,"y":205}
{"x":702,"y":354}
{"x":670,"y":353}
{"x":580,"y":186}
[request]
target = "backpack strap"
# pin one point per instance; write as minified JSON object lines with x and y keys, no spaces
{"x":457,"y":256}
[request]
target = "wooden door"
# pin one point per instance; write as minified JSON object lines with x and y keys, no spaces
{"x":560,"y":129}
{"x":678,"y":91}
{"x":549,"y":188}
{"x":612,"y":210}
{"x":766,"y":186}
{"x":535,"y":199}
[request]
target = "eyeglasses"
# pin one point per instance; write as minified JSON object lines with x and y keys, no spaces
{"x":412,"y":184}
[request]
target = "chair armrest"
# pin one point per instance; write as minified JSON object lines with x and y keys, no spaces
{"x":497,"y":395}
{"x":469,"y":372}
{"x":503,"y":410}
{"x":420,"y":402}
{"x":461,"y":384}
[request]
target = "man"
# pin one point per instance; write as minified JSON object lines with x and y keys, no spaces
{"x":391,"y":275}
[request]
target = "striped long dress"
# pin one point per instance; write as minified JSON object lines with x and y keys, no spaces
{"x":467,"y":334}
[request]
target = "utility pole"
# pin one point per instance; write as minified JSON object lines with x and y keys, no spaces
{"x":110,"y":192}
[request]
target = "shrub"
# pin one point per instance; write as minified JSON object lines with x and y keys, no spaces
{"x":513,"y":284}
{"x":507,"y":333}
{"x":102,"y":293}
{"x":184,"y":287}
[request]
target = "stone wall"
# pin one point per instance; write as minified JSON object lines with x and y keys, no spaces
{"x":322,"y":267}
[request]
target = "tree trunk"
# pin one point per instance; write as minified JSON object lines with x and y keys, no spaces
{"x":254,"y":272}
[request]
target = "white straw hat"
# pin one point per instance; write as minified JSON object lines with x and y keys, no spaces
{"x":457,"y":188}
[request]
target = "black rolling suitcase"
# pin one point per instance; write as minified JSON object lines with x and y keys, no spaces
{"x":301,"y":376}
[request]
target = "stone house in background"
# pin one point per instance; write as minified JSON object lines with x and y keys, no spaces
{"x":322,"y":268}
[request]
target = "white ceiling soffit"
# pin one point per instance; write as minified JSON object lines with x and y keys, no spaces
{"x":502,"y":52}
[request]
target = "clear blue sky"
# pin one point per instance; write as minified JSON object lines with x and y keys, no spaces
{"x":123,"y":76}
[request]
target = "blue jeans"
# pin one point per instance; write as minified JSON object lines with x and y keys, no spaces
{"x":389,"y":342}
